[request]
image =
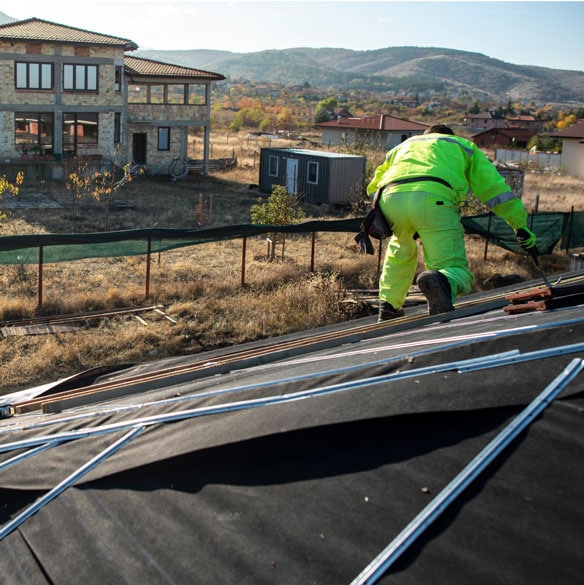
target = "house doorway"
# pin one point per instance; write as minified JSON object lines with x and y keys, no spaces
{"x":139,"y":148}
{"x":292,"y":175}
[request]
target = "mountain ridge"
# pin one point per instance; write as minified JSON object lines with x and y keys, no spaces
{"x":392,"y":69}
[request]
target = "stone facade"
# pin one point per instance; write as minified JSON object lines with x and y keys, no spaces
{"x":80,"y":105}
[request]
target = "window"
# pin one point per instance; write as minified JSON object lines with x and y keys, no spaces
{"x":79,"y":130}
{"x":176,"y":94}
{"x":117,"y":128}
{"x":313,"y":172}
{"x":119,"y":75}
{"x":273,"y":166}
{"x":164,"y":138}
{"x":34,"y":132}
{"x":34,"y":76}
{"x":138,"y":94}
{"x":80,"y":77}
{"x":196,"y":94}
{"x":156,"y":94}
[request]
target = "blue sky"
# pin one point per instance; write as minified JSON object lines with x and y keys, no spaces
{"x":545,"y":34}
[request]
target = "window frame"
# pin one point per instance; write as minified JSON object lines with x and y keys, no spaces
{"x":76,"y":77}
{"x":118,"y":78}
{"x":74,"y":119}
{"x":163,"y":142}
{"x":28,"y":65}
{"x":44,"y":143}
{"x":312,"y":164}
{"x":273,"y":165}
{"x":117,"y":128}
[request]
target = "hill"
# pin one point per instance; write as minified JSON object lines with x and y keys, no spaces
{"x":5,"y":19}
{"x":393,"y":69}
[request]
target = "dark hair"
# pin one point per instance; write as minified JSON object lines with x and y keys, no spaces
{"x":438,"y":129}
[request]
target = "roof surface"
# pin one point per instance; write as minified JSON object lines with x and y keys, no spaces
{"x":137,"y":66}
{"x":302,"y":465}
{"x":575,"y":131}
{"x":378,"y":122}
{"x":316,"y":153}
{"x":35,"y":29}
{"x":517,"y":132}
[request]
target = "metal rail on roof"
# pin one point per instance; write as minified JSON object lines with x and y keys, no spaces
{"x":402,"y":541}
{"x":37,"y":445}
{"x":449,"y":343}
{"x":69,"y":481}
{"x":506,"y":358}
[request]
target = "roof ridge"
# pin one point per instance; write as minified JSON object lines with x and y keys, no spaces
{"x":19,"y":24}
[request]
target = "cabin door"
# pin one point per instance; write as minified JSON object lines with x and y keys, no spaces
{"x":292,"y":175}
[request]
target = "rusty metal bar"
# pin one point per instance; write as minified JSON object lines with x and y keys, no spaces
{"x":312,"y":245}
{"x":148,"y":262}
{"x":41,"y":254}
{"x":487,"y":238}
{"x":243,"y":255}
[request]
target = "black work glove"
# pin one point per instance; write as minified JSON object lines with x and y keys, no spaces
{"x":364,"y":241}
{"x":526,"y":238}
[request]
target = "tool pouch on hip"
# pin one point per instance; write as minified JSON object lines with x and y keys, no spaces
{"x":374,"y":226}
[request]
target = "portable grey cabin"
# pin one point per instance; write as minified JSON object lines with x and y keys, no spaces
{"x":317,"y":177}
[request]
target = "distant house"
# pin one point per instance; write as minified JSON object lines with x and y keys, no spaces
{"x":485,"y":121}
{"x":381,"y":130}
{"x":573,"y":149}
{"x":68,"y":92}
{"x":317,"y":177}
{"x":527,"y":121}
{"x":503,"y":138}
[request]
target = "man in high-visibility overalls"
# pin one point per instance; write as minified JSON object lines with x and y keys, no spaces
{"x":424,"y":182}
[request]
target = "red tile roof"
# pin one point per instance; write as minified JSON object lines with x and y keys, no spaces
{"x":137,"y":67}
{"x":37,"y":30}
{"x":378,"y":122}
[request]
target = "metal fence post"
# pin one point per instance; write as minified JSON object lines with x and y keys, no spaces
{"x":243,"y":254}
{"x":148,"y":260}
{"x":41,"y":254}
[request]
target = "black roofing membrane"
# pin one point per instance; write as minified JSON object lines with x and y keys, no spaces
{"x":312,"y":490}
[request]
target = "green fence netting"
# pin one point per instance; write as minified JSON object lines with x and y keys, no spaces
{"x":550,"y":228}
{"x":65,"y":247}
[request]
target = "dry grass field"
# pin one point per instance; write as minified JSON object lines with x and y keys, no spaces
{"x":200,"y":288}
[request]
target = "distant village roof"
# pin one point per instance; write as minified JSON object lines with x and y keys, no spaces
{"x":378,"y":122}
{"x":36,"y":30}
{"x":485,"y":116}
{"x":138,"y":66}
{"x":525,"y":118}
{"x":575,"y":131}
{"x":517,"y":133}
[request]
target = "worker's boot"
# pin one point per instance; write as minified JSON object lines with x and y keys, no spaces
{"x":386,"y":312}
{"x":436,"y":288}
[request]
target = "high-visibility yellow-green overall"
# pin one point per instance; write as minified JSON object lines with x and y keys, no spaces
{"x":425,"y":181}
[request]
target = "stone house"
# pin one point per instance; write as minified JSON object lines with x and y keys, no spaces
{"x":485,"y":121}
{"x":526,"y":121}
{"x":68,"y":92}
